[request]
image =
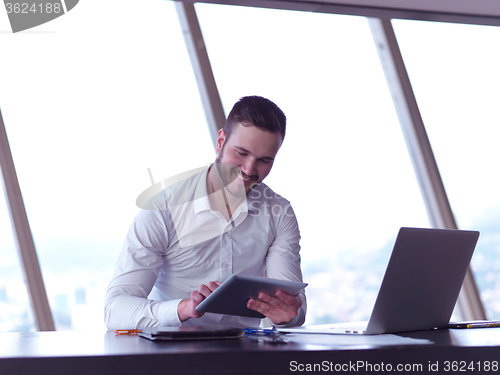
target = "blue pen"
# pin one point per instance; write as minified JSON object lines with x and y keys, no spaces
{"x":260,"y":332}
{"x":265,"y":336}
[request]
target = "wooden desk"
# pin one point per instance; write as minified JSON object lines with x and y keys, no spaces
{"x":475,"y":351}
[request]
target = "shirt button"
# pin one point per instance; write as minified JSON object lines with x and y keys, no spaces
{"x":226,"y":265}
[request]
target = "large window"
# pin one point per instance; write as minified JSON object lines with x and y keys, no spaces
{"x":90,"y":101}
{"x":95,"y":98}
{"x":344,"y":164}
{"x":454,"y":72}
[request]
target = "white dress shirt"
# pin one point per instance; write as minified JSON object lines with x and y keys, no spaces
{"x":178,"y":242}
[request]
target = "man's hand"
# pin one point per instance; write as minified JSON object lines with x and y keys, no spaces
{"x":281,"y":309}
{"x":186,"y":308}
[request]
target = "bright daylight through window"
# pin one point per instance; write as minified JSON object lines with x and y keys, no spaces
{"x":100,"y":106}
{"x":454,"y":72}
{"x":90,"y":106}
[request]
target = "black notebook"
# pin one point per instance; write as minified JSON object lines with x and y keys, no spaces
{"x":190,"y":333}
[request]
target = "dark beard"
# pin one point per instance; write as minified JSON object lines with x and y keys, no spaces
{"x":218,"y":165}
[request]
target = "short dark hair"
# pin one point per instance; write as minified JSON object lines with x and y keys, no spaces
{"x":257,"y":111}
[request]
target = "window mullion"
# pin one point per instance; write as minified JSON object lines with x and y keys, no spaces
{"x":24,"y":238}
{"x":202,"y":69}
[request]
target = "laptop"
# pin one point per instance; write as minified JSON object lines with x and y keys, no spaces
{"x":421,"y":283}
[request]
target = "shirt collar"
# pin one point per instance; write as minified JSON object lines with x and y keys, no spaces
{"x":202,"y":203}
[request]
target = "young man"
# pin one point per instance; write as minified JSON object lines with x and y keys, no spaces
{"x":198,"y":232}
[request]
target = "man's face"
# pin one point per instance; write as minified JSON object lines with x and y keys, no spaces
{"x":250,"y":150}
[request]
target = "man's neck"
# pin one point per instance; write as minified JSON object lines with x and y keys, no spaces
{"x":226,"y":203}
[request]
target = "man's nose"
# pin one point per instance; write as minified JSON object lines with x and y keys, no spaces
{"x":248,"y":167}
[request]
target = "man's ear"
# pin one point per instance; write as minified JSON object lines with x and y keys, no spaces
{"x":221,"y":138}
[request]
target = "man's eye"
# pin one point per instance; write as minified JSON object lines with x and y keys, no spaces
{"x":242,"y":153}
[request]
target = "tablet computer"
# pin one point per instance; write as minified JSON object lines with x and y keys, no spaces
{"x":231,"y":296}
{"x":185,"y":333}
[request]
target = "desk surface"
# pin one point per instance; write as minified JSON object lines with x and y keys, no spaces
{"x":473,"y":350}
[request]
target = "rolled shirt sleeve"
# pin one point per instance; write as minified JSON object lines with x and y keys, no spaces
{"x":126,"y":302}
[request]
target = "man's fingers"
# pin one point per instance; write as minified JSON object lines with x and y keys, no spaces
{"x":262,"y":307}
{"x":196,"y":297}
{"x":282,"y":300}
{"x":273,"y":301}
{"x":212,"y":285}
{"x":206,"y":290}
{"x":280,"y":309}
{"x":288,"y":299}
{"x":187,"y":307}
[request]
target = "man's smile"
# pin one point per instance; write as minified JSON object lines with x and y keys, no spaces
{"x":244,"y":177}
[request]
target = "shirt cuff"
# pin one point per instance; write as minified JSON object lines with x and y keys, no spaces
{"x":167,"y":313}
